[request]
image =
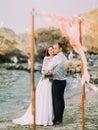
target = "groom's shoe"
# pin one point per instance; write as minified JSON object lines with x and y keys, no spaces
{"x":57,"y":122}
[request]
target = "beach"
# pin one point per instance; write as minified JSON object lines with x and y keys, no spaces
{"x":72,"y":119}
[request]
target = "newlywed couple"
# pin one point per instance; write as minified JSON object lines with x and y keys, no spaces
{"x":49,"y":94}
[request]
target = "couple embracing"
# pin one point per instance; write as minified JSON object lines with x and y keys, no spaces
{"x":49,"y":93}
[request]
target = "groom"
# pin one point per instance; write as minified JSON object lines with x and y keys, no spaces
{"x":58,"y":67}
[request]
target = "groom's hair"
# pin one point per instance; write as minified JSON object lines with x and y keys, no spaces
{"x":61,"y":45}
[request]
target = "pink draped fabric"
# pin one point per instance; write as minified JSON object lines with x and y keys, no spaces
{"x":70,"y":29}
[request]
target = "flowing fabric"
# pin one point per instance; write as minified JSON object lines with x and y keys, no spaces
{"x":70,"y":29}
{"x":44,"y":107}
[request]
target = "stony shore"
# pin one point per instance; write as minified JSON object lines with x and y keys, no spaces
{"x":72,"y":115}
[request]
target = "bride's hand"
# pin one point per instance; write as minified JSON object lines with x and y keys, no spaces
{"x":43,"y":71}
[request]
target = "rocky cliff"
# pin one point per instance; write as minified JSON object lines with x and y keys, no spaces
{"x":18,"y":45}
{"x":12,"y":45}
{"x":90,"y":39}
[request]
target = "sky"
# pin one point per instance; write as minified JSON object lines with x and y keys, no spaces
{"x":16,"y":14}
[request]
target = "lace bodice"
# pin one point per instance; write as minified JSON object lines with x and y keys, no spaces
{"x":46,"y":61}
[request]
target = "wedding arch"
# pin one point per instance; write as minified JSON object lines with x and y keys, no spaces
{"x":71,"y":27}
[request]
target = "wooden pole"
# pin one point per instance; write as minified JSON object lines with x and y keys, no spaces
{"x":83,"y":87}
{"x":32,"y":74}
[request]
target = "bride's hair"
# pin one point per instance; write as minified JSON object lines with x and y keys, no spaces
{"x":47,"y":53}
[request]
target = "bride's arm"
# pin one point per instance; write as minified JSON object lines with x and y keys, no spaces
{"x":56,"y":61}
{"x":43,"y":71}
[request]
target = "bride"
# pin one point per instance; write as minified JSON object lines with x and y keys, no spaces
{"x":44,"y":107}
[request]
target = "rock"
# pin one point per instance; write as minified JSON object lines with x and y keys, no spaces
{"x":45,"y":37}
{"x":78,"y":69}
{"x":71,"y":55}
{"x":10,"y":43}
{"x":21,"y":66}
{"x":74,"y":66}
{"x":90,"y":38}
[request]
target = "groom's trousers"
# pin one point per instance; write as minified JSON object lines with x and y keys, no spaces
{"x":58,"y":87}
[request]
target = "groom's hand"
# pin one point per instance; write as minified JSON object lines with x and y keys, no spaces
{"x":49,"y":73}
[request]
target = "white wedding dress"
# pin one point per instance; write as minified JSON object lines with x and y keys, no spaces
{"x":44,"y":108}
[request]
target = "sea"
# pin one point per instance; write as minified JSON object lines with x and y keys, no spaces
{"x":15,"y":90}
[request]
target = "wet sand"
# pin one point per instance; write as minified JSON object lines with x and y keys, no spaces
{"x":72,"y":119}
